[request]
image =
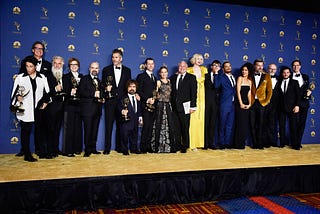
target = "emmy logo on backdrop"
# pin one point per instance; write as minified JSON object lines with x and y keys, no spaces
{"x":99,"y":98}
{"x":109,"y":83}
{"x":75,"y":84}
{"x":125,"y":103}
{"x":17,"y":107}
{"x":150,"y":107}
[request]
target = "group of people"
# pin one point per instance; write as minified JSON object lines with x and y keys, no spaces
{"x":194,"y":108}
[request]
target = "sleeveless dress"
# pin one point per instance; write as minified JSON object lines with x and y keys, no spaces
{"x":196,"y":130}
{"x":163,"y":130}
{"x":242,"y":120}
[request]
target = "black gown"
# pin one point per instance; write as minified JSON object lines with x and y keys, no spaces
{"x":162,"y":133}
{"x":242,"y":120}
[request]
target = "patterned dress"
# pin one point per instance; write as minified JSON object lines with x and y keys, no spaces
{"x":163,"y":134}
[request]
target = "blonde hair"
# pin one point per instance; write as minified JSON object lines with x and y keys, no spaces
{"x":193,"y":59}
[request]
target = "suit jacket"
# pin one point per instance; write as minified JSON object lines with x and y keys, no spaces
{"x":290,"y":99}
{"x":45,"y":67}
{"x":303,"y":91}
{"x":227,"y":95}
{"x":263,"y":90}
{"x":88,"y":104}
{"x":145,"y":87}
{"x":211,"y":93}
{"x":134,"y":116}
{"x":187,"y":92}
{"x":121,"y":89}
{"x":68,"y":85}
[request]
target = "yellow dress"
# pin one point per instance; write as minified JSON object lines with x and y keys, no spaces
{"x":196,"y":130}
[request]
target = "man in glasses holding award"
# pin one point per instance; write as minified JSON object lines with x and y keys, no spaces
{"x":114,"y":79}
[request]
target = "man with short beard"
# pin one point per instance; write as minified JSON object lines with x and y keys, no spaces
{"x":55,"y":108}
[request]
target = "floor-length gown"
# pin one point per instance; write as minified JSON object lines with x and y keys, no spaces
{"x":242,"y":120}
{"x":197,"y":118}
{"x":163,"y":130}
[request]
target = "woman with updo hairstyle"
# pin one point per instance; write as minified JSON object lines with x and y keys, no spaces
{"x":197,"y":120}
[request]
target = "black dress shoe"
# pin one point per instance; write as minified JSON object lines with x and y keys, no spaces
{"x":20,"y":154}
{"x":105,"y":152}
{"x":29,"y":158}
{"x":96,"y":152}
{"x":70,"y":155}
{"x":136,"y":152}
{"x":125,"y":153}
{"x":78,"y":153}
{"x":183,"y":151}
{"x":86,"y":154}
{"x":45,"y":157}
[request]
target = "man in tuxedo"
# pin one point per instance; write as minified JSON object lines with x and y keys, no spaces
{"x":263,"y":93}
{"x":305,"y":95}
{"x":211,"y":105}
{"x":289,"y":101}
{"x":271,"y":118}
{"x":226,"y":83}
{"x":54,"y":112}
{"x":114,"y":79}
{"x":91,"y":101}
{"x":184,"y":91}
{"x":146,"y":88}
{"x":130,"y":111}
{"x":43,"y":66}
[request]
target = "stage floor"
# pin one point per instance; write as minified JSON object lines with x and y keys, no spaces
{"x":14,"y":168}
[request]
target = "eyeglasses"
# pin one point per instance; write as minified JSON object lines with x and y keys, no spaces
{"x":216,"y":65}
{"x":39,"y":49}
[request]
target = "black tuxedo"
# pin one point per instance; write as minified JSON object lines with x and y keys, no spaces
{"x":117,"y":92}
{"x":129,"y":129}
{"x":54,"y":115}
{"x":211,"y":110}
{"x":271,"y":119}
{"x":287,"y":101}
{"x":72,"y":125}
{"x":186,"y":92}
{"x":304,"y":107}
{"x":45,"y":67}
{"x":90,"y":111}
{"x":146,"y":85}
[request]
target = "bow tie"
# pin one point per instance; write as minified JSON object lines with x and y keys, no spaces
{"x":257,"y":74}
{"x":297,"y":75}
{"x":117,"y":67}
{"x":39,"y":61}
{"x":273,"y":76}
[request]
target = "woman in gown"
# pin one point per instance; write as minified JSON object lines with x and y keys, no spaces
{"x":243,"y":103}
{"x":163,"y":134}
{"x":197,"y":121}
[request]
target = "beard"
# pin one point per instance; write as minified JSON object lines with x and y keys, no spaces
{"x":57,"y":72}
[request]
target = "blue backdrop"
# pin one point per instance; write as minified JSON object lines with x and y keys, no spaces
{"x":167,"y":30}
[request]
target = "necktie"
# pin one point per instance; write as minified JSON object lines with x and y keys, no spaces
{"x":180,"y":81}
{"x":232,"y":80}
{"x":117,"y":67}
{"x":134,"y":104}
{"x":273,"y":76}
{"x":212,"y":78}
{"x":152,"y":77}
{"x":285,"y":86}
{"x":297,"y":75}
{"x":257,"y":74}
{"x":39,"y":61}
